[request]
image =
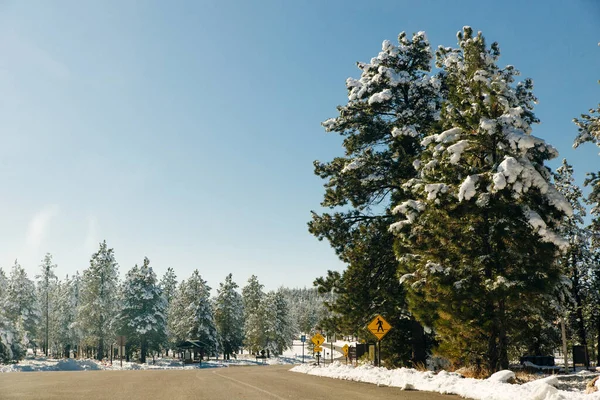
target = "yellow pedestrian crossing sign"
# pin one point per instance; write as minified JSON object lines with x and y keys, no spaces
{"x":345,"y":350}
{"x":379,"y":327}
{"x":318,"y":339}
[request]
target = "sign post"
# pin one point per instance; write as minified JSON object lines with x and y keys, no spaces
{"x":121,"y":340}
{"x":379,"y":327}
{"x":345,"y":350}
{"x":318,"y":340}
{"x":303,"y":339}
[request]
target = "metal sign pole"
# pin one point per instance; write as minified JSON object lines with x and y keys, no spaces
{"x":302,"y":352}
{"x":332,"y":351}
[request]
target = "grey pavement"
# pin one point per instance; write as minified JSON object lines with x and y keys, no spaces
{"x":248,"y":383}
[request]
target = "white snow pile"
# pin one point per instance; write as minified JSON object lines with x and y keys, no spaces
{"x":493,"y":388}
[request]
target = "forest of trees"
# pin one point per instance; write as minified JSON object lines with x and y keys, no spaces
{"x":451,"y":223}
{"x":83,"y":314}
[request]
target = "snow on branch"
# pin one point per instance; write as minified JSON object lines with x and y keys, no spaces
{"x":547,"y":235}
{"x":380,"y":97}
{"x":467,"y":188}
{"x":411,"y":209}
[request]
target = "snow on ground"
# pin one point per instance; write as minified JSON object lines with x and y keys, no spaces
{"x":70,"y":364}
{"x":554,"y":387}
{"x":493,"y":388}
{"x":33,"y":364}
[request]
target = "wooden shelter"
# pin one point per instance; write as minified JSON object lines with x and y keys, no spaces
{"x":191,"y":351}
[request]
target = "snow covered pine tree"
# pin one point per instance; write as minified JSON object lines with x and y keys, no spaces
{"x":389,"y":108}
{"x":142,"y":317}
{"x":229,"y":316}
{"x":480,"y":228}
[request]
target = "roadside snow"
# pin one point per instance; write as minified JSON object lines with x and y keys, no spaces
{"x":493,"y":388}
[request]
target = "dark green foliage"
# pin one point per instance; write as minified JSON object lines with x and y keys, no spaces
{"x":478,"y":242}
{"x":389,"y":107}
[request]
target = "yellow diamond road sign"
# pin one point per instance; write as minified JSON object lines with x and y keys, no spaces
{"x":318,"y":339}
{"x":379,"y":327}
{"x":345,"y":350}
{"x":317,"y":349}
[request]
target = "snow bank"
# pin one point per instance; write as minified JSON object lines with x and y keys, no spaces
{"x":493,"y":388}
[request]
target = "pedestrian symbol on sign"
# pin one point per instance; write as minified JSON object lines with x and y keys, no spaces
{"x":379,"y":327}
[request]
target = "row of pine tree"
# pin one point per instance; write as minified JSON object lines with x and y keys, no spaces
{"x":452,"y":225}
{"x":85,"y":313}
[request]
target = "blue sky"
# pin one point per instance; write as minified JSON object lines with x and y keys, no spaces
{"x":186,"y":131}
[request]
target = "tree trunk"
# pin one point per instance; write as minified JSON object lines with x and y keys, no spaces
{"x":492,"y":354}
{"x":502,"y":339}
{"x":598,"y":332}
{"x":143,"y":351}
{"x":100,"y":353}
{"x":419,"y":345}
{"x":580,"y":323}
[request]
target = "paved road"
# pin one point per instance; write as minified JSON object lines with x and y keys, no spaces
{"x":247,"y":383}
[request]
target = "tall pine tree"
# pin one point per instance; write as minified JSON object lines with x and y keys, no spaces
{"x":47,"y":283}
{"x":254,"y":319}
{"x":142,"y":318}
{"x":389,"y":108}
{"x":67,"y":334}
{"x":229,"y":316}
{"x":168,"y":285}
{"x":21,"y":308}
{"x":192,"y":314}
{"x":10,"y":343}
{"x":575,"y":260}
{"x":99,"y":299}
{"x":279,"y":329}
{"x":477,"y":240}
{"x":589,"y":131}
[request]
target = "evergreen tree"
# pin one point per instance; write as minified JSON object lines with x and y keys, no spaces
{"x":99,"y":299}
{"x":478,"y":241}
{"x":10,"y":347}
{"x":279,"y":329}
{"x":254,"y":319}
{"x":575,"y":260}
{"x":369,"y":286}
{"x":67,"y":335}
{"x":389,"y":108}
{"x":589,"y":131}
{"x":168,"y":285}
{"x":21,"y":309}
{"x":142,"y":318}
{"x":229,"y":316}
{"x":306,"y":306}
{"x":47,"y":283}
{"x":592,"y":296}
{"x":192,"y":316}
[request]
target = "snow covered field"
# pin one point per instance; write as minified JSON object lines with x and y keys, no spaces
{"x":33,"y":364}
{"x":493,"y":388}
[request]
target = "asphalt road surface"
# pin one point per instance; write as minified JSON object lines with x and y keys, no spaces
{"x":248,"y":383}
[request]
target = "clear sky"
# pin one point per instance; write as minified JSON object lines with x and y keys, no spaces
{"x":186,"y":131}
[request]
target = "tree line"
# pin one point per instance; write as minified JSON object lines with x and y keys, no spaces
{"x":450,"y":222}
{"x":83,"y":314}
